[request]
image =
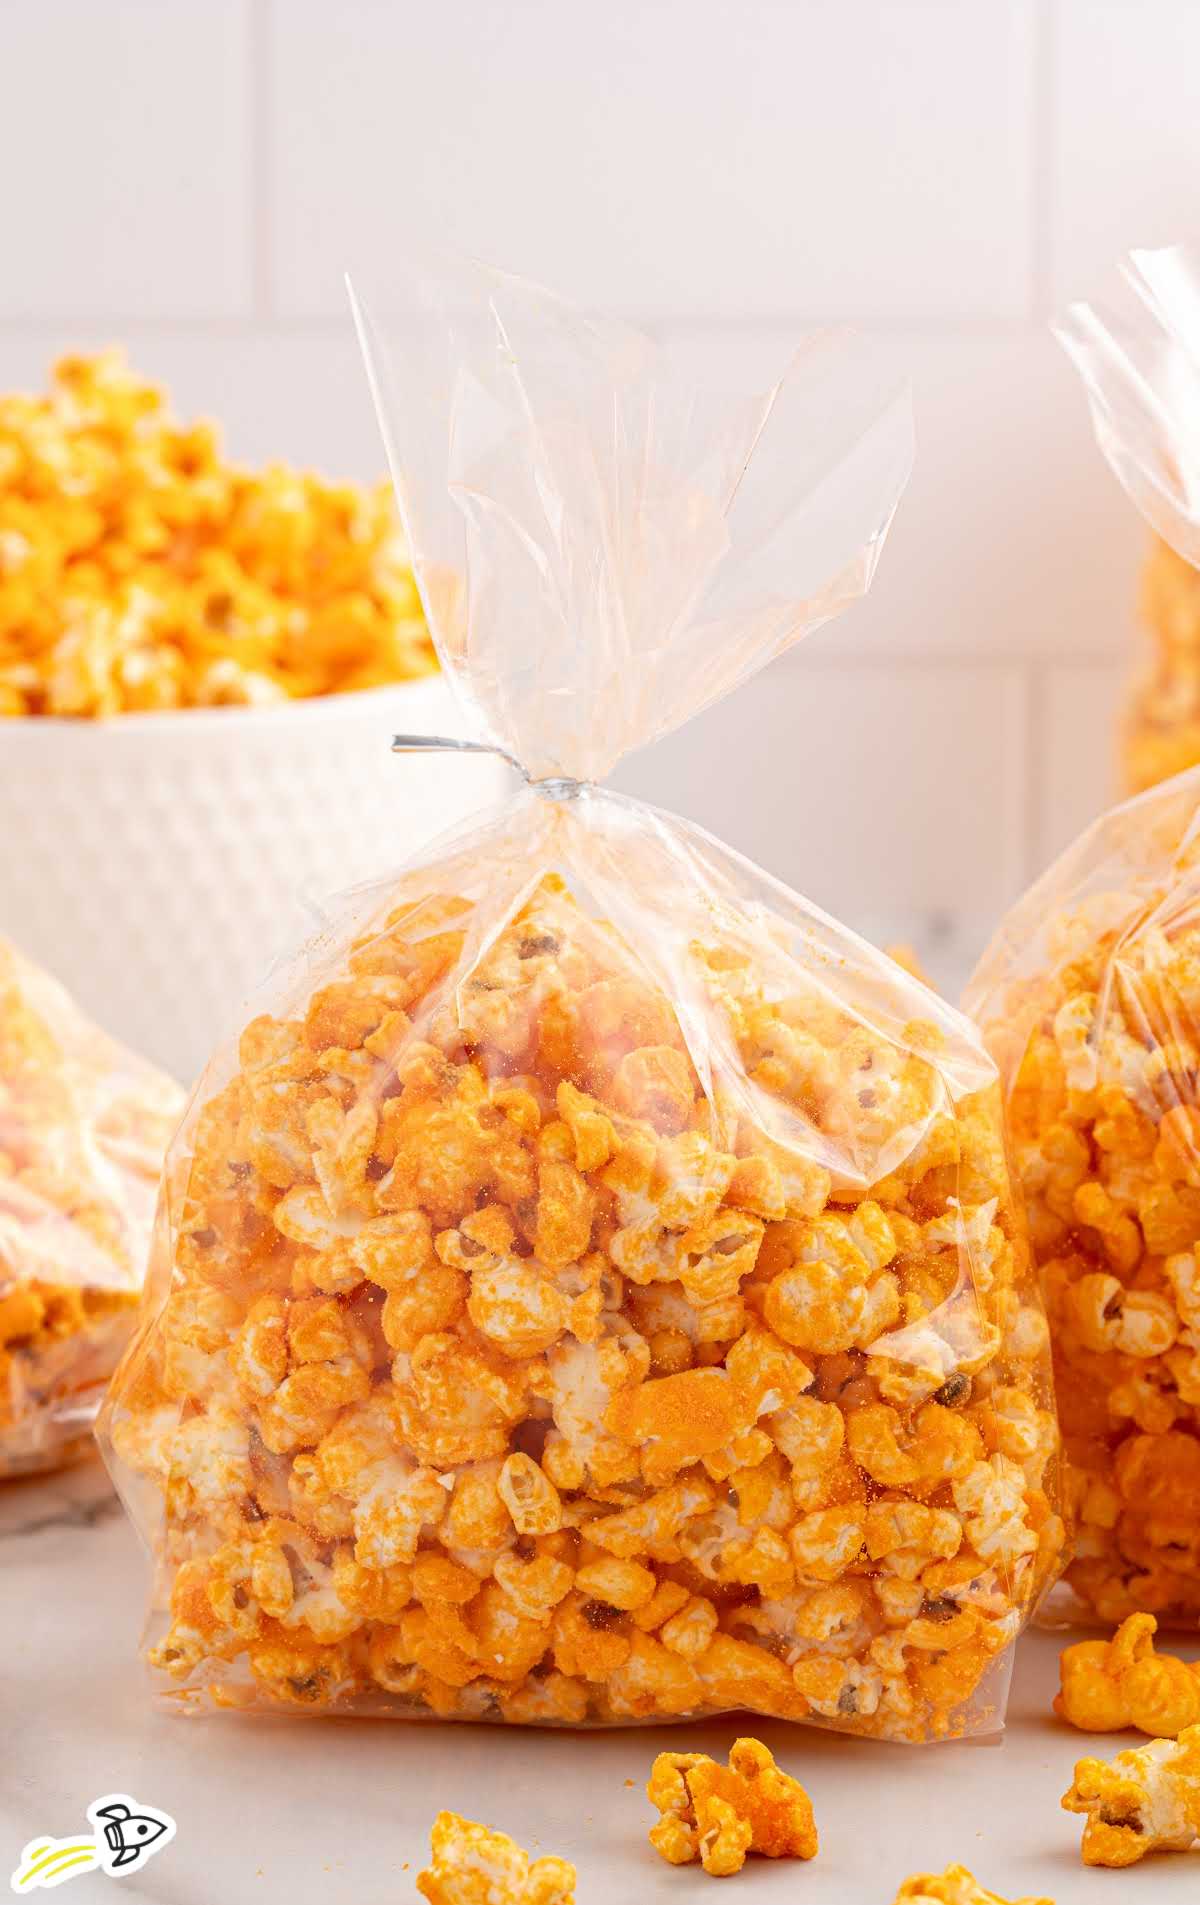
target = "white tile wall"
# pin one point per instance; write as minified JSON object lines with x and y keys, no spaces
{"x":1123,"y":136}
{"x":869,"y":787}
{"x":191,"y":176}
{"x":125,"y":146}
{"x":741,"y":159}
{"x":1076,"y":720}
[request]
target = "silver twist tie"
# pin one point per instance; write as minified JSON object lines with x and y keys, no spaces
{"x":554,"y":787}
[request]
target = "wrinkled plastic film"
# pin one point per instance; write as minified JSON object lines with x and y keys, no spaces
{"x":1141,"y":370}
{"x":1090,"y":999}
{"x":592,"y":1290}
{"x":83,"y":1130}
{"x":603,"y":546}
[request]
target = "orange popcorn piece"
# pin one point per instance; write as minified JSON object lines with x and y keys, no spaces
{"x":676,"y":1419}
{"x":717,"y":1814}
{"x":1147,"y":1800}
{"x":954,"y":1886}
{"x":475,"y":1865}
{"x":1110,"y":1685}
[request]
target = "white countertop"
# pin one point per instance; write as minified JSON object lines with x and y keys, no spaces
{"x":339,"y":1811}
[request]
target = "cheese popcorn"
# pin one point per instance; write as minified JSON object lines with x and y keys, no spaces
{"x":718,"y":1814}
{"x":1160,"y":721}
{"x":1110,"y":1685}
{"x":139,"y":571}
{"x":1088,"y":998}
{"x":1147,"y":1800}
{"x":616,"y":1304}
{"x":83,"y":1130}
{"x":473,"y":1865}
{"x":954,"y":1886}
{"x":569,"y":1517}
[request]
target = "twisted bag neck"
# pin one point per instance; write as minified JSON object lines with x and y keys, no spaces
{"x":605,"y":542}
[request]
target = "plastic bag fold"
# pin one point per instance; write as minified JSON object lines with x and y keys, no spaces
{"x":1141,"y":371}
{"x":605,"y":546}
{"x":84,"y":1127}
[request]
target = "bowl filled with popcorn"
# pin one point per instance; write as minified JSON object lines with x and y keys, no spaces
{"x":201,"y":669}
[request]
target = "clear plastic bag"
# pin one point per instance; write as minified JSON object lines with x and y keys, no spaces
{"x":1142,"y":376}
{"x":1089,"y":998}
{"x":84,"y":1128}
{"x":593,"y":1292}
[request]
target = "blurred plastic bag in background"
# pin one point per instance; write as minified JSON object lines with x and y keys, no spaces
{"x":592,"y":1291}
{"x":1142,"y":376}
{"x":1089,"y":998}
{"x":83,"y":1131}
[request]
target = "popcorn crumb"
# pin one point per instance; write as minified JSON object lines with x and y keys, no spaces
{"x":954,"y":1886}
{"x":475,"y":1865}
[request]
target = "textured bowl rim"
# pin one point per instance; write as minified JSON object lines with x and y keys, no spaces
{"x":310,"y":709}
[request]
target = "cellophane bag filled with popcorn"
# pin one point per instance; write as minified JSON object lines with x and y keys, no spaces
{"x":1141,"y":371}
{"x":592,"y":1290}
{"x":1090,"y":999}
{"x":84,"y":1126}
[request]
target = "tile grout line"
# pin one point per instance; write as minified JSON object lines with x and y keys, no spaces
{"x":1043,"y":141}
{"x":950,"y":661}
{"x":274,"y":322}
{"x":258,"y":28}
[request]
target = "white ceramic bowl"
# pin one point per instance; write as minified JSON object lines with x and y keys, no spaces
{"x":157,"y":863}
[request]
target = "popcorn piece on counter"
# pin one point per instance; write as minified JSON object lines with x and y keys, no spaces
{"x":473,"y":1865}
{"x":954,"y":1886}
{"x":139,"y":571}
{"x":1147,"y":1800}
{"x":83,"y":1131}
{"x":566,"y":1394}
{"x":1123,"y":1682}
{"x":717,"y":1814}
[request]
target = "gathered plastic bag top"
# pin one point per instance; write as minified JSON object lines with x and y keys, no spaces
{"x":1141,"y":371}
{"x":1090,"y":999}
{"x":83,"y":1131}
{"x":591,"y":1291}
{"x":604,"y":546}
{"x":1142,"y":377}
